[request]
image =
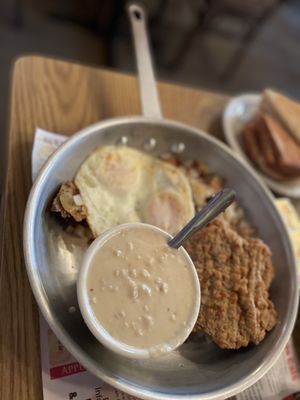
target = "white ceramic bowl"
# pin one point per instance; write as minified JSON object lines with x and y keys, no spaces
{"x":94,"y":324}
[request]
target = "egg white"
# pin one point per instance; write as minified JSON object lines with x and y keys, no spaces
{"x":119,"y":184}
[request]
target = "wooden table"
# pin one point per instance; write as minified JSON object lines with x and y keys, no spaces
{"x":63,"y":98}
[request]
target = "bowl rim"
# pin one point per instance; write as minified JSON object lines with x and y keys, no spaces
{"x":94,"y":324}
{"x":58,"y":329}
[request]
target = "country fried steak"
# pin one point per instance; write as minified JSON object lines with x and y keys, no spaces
{"x":235,"y":274}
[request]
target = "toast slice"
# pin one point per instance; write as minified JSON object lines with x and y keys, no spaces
{"x":271,"y":148}
{"x":283,"y":109}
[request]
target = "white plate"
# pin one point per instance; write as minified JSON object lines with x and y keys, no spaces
{"x":238,"y":111}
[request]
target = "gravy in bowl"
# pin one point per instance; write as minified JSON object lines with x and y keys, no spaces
{"x":142,"y":292}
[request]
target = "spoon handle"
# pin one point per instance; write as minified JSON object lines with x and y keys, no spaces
{"x":212,"y":209}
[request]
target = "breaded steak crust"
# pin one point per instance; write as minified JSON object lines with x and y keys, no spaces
{"x":235,"y":274}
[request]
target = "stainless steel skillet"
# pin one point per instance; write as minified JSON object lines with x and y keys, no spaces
{"x":199,"y":370}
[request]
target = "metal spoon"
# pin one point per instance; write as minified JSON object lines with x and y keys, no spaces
{"x":211,"y":210}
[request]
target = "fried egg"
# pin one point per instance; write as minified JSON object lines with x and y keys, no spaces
{"x":119,"y":184}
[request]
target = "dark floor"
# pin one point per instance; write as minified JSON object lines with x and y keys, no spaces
{"x":272,"y":59}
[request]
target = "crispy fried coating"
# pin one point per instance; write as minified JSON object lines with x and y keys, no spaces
{"x":235,"y":274}
{"x":68,"y":202}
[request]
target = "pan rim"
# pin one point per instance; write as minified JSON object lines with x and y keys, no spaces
{"x":38,"y":291}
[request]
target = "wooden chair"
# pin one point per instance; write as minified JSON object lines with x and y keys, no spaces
{"x":249,"y":14}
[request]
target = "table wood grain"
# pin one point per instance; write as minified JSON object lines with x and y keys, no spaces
{"x":61,"y":97}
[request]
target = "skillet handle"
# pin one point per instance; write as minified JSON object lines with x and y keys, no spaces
{"x":147,"y":84}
